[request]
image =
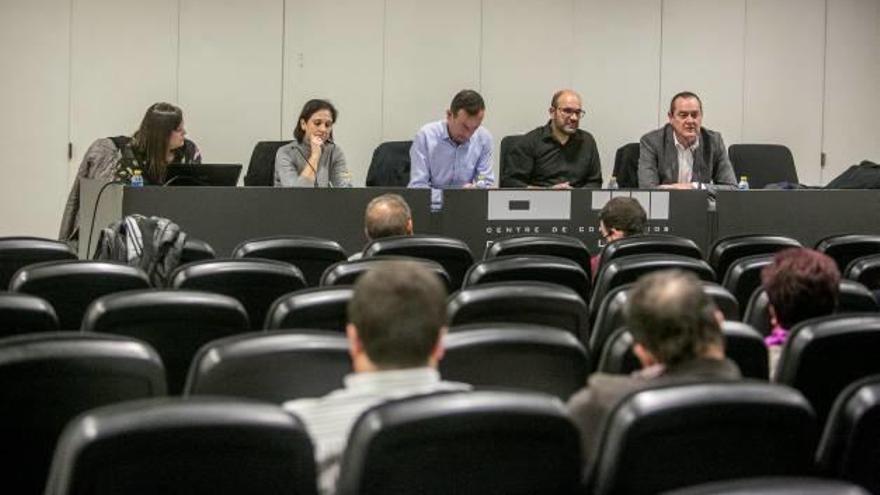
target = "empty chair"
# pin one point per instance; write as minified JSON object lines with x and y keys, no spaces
{"x":865,"y":270}
{"x":453,"y":254}
{"x":547,"y":244}
{"x":310,"y":254}
{"x":846,"y":248}
{"x":742,"y":344}
{"x":196,"y":250}
{"x":462,"y":443}
{"x":744,"y":276}
{"x":520,"y":356}
{"x":256,"y":283}
{"x":46,"y":379}
{"x":773,"y":485}
{"x":390,"y":165}
{"x":626,"y":165}
{"x":628,"y":269}
{"x":70,"y":286}
{"x":824,"y":355}
{"x":725,"y":251}
{"x":18,"y":252}
{"x":649,"y":244}
{"x":319,"y":308}
{"x":198,"y":446}
{"x":505,"y":147}
{"x":261,"y":168}
{"x":763,"y":164}
{"x":539,"y":303}
{"x":686,"y":434}
{"x":535,"y":268}
{"x":347,"y":272}
{"x":271,"y":366}
{"x":175,"y":322}
{"x":24,"y":313}
{"x":851,"y":440}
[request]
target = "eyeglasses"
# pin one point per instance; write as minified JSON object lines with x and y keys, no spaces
{"x":568,"y":112}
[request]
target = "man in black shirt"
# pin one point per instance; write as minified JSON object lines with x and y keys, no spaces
{"x":557,"y":155}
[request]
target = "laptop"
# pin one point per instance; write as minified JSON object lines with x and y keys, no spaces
{"x":203,"y":174}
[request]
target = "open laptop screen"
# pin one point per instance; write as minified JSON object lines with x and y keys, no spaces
{"x":203,"y":174}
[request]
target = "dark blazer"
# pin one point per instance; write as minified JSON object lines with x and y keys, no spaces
{"x":658,"y":160}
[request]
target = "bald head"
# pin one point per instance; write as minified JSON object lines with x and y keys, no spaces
{"x":566,"y":111}
{"x":387,"y":215}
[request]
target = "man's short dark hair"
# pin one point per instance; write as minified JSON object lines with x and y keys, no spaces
{"x":399,"y":308}
{"x":387,"y":215}
{"x":625,"y":215}
{"x":672,"y":317}
{"x":684,"y":94}
{"x":801,"y":283}
{"x":468,"y":100}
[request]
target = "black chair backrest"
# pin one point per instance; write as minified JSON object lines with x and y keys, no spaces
{"x":846,"y":248}
{"x":824,"y":355}
{"x":347,"y":272}
{"x":463,"y":443}
{"x":670,"y":436}
{"x":851,"y":442}
{"x":390,"y":165}
{"x":744,"y":276}
{"x":517,"y":356}
{"x":255,"y":282}
{"x":174,"y":322}
{"x":454,"y":255}
{"x":18,"y":252}
{"x":202,"y":446}
{"x":539,"y":303}
{"x":865,"y":270}
{"x":626,"y":165}
{"x":196,"y":250}
{"x":322,"y":308}
{"x":504,"y":149}
{"x":725,"y":251}
{"x":763,"y":164}
{"x":310,"y":254}
{"x":271,"y":366}
{"x":774,"y":485}
{"x":261,"y":169}
{"x":24,"y":313}
{"x":70,"y":286}
{"x":47,"y":379}
{"x":649,"y":244}
{"x":534,"y":268}
{"x":547,"y":244}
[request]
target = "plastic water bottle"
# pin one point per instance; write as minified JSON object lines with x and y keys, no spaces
{"x":612,"y":183}
{"x":137,"y":179}
{"x":481,"y":182}
{"x":743,"y":184}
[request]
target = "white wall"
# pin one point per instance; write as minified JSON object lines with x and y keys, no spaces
{"x":801,"y":72}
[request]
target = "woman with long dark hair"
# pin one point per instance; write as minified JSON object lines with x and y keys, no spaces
{"x":312,"y":159}
{"x":159,"y":142}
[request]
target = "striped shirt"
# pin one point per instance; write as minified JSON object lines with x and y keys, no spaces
{"x":329,"y":419}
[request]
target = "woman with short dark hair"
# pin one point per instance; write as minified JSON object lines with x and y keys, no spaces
{"x":312,"y":159}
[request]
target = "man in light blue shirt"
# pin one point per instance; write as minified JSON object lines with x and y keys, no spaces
{"x":456,"y":152}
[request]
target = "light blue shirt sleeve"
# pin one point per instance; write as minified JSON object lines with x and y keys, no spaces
{"x":484,"y":163}
{"x":419,"y":175}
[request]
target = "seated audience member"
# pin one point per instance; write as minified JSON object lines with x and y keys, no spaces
{"x":387,"y":215}
{"x":558,"y":154}
{"x":312,"y":159}
{"x":620,"y":217}
{"x":677,"y":333}
{"x":683,"y":154}
{"x":397,"y":320}
{"x":455,"y":152}
{"x":801,"y":284}
{"x":160,"y":141}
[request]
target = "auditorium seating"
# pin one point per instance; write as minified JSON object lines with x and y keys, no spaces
{"x":454,"y":255}
{"x":773,"y":485}
{"x":763,"y":164}
{"x":347,"y":272}
{"x":196,"y":250}
{"x":18,"y":252}
{"x":535,"y":268}
{"x":70,"y":286}
{"x":47,"y":379}
{"x":865,"y":270}
{"x":198,"y":446}
{"x":174,"y":322}
{"x":256,"y":283}
{"x":463,"y":443}
{"x":744,"y":276}
{"x":24,"y":313}
{"x":271,"y":366}
{"x":725,"y":251}
{"x":311,"y":255}
{"x":845,"y":248}
{"x":547,"y":244}
{"x":317,"y":307}
{"x":649,"y":244}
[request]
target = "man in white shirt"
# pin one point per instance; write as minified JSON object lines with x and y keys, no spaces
{"x":397,"y":319}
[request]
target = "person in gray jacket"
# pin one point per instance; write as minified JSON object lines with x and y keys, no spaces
{"x":312,"y":159}
{"x":683,"y":154}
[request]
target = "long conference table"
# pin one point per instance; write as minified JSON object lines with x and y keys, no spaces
{"x":227,"y":216}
